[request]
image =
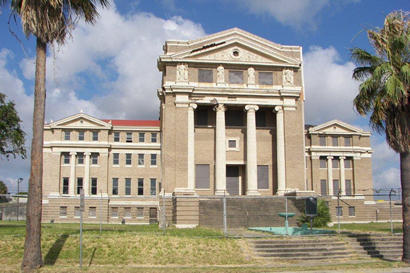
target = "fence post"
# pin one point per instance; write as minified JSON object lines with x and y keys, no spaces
{"x":391,"y":217}
{"x":224,"y":215}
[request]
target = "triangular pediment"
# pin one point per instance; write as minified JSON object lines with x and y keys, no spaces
{"x":337,"y":127}
{"x":80,"y":121}
{"x":219,"y":47}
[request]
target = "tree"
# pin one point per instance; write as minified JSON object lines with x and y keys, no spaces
{"x":49,"y":21}
{"x":3,"y":188}
{"x":384,"y":94}
{"x":11,"y":135}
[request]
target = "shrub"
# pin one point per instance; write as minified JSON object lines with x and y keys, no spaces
{"x":322,"y":218}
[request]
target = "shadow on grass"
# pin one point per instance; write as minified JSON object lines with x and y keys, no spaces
{"x":55,"y":250}
{"x":92,"y":257}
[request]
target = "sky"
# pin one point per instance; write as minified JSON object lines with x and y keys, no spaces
{"x":108,"y":69}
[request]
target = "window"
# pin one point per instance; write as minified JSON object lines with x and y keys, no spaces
{"x":335,"y":163}
{"x":127,"y":212}
{"x":63,"y":211}
{"x":115,"y":158}
{"x":92,"y":212}
{"x":339,"y":211}
{"x":80,"y":158}
{"x":336,"y":187}
{"x":154,"y":137}
{"x":322,"y":140}
{"x":201,"y":117}
{"x":352,"y":211}
{"x":265,"y":78}
{"x":236,"y":77}
{"x":348,"y":187}
{"x":77,"y":212}
{"x":335,"y":141}
{"x":67,"y":135}
{"x":127,"y":186}
{"x":141,"y":137}
{"x":140,"y":186}
{"x":234,"y":118}
{"x":116,"y":136}
{"x":323,"y":163}
{"x":115,"y":186}
{"x":114,"y":212}
{"x":153,"y":159}
{"x":202,"y":176}
{"x":348,"y":141}
{"x":141,"y":160}
{"x":348,"y":163}
{"x":263,"y":177}
{"x":205,"y":75}
{"x":66,"y":158}
{"x":65,"y":185}
{"x":153,"y":186}
{"x":94,"y":159}
{"x":129,"y":137}
{"x":128,"y":159}
{"x":260,"y":118}
{"x":93,"y":185}
{"x":81,"y":135}
{"x":140,"y":212}
{"x":232,"y":143}
{"x":79,"y":184}
{"x":95,"y":136}
{"x":323,"y":187}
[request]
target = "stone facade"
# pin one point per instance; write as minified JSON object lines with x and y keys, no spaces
{"x":231,"y":123}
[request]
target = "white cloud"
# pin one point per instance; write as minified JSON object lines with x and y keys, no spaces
{"x":330,"y":89}
{"x":294,"y":13}
{"x":107,"y":70}
{"x":387,"y":179}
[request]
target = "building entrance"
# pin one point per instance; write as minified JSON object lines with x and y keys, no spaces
{"x":232,"y":180}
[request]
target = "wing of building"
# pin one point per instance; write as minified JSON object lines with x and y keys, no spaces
{"x":231,"y":123}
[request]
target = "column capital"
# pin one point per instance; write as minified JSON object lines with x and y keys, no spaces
{"x":193,"y":106}
{"x":87,"y":153}
{"x":278,"y":108}
{"x":220,"y":108}
{"x":73,"y":153}
{"x":329,"y":157}
{"x":342,"y":157}
{"x":251,"y":107}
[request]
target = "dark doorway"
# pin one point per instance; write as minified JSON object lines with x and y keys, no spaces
{"x":153,"y":216}
{"x":232,"y":180}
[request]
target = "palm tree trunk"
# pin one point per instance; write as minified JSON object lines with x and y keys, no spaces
{"x":405,"y":186}
{"x":32,"y":246}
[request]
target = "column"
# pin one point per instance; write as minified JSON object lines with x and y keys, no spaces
{"x":87,"y":174}
{"x":342,"y":175}
{"x":251,"y":151}
{"x":280,"y":150}
{"x":72,"y":173}
{"x":191,"y":147}
{"x":220,"y":150}
{"x":330,"y":174}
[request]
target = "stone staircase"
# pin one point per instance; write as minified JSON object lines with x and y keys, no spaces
{"x":302,"y":248}
{"x":384,"y":246}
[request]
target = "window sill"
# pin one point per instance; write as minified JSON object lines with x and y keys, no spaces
{"x":62,"y":216}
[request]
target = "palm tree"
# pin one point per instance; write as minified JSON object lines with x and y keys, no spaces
{"x":384,"y":94}
{"x":49,"y":21}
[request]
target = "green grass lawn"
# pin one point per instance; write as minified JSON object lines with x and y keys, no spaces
{"x":370,"y":227}
{"x":146,"y":248}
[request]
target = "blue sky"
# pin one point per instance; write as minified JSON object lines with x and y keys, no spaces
{"x":109,"y":69}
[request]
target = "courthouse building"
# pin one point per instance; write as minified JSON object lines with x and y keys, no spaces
{"x":231,"y":123}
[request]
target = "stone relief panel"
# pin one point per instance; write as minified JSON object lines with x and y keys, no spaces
{"x":237,"y":54}
{"x":182,"y":73}
{"x":251,"y":75}
{"x":287,"y":77}
{"x":220,"y":74}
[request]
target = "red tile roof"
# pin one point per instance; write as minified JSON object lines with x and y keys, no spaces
{"x":142,"y":123}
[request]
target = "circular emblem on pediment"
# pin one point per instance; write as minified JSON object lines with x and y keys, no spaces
{"x":235,"y":53}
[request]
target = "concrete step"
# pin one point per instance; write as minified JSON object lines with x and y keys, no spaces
{"x":304,"y":255}
{"x":300,"y":245}
{"x":302,"y":250}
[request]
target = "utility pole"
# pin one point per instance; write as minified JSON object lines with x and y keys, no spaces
{"x":18,"y":198}
{"x":391,"y":217}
